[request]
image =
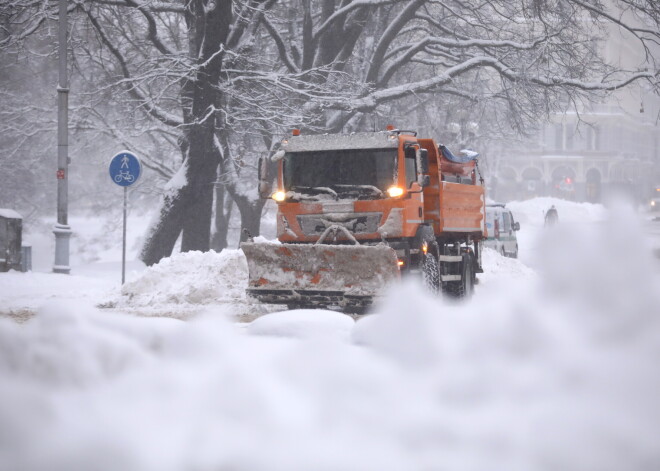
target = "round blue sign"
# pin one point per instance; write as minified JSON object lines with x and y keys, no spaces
{"x":125,"y":168}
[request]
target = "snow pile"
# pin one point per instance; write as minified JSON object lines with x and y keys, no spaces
{"x":532,"y":212}
{"x":9,"y":214}
{"x":17,"y":290}
{"x":303,"y":324}
{"x":550,"y":372}
{"x":188,"y":279}
{"x":531,"y":216}
{"x":497,"y":267}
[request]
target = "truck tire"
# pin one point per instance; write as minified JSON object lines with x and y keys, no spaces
{"x":431,"y":273}
{"x":467,"y":281}
{"x":464,"y":287}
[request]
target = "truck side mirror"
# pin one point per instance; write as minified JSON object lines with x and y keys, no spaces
{"x":409,"y":152}
{"x":424,"y":180}
{"x":265,"y":186}
{"x":422,"y":156}
{"x":516,"y":226}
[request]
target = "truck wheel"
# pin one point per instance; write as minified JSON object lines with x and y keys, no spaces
{"x":431,"y":273}
{"x":467,"y":281}
{"x":464,"y":287}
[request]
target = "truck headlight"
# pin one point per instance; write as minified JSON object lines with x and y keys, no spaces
{"x":394,"y":191}
{"x":279,"y":196}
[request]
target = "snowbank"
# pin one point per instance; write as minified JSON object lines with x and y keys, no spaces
{"x":556,"y":371}
{"x":18,"y":290}
{"x":531,"y":216}
{"x":186,"y":281}
{"x":532,"y":212}
{"x":496,"y":267}
{"x":303,"y":324}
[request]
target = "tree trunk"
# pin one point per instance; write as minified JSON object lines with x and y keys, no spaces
{"x":191,"y":208}
{"x":250,"y":213}
{"x":203,"y":157}
{"x":223,"y":209}
{"x":164,"y":234}
{"x":203,"y":161}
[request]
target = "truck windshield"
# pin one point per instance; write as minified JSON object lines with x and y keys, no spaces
{"x":367,"y":172}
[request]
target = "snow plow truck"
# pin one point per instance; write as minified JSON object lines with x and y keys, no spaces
{"x":356,"y":212}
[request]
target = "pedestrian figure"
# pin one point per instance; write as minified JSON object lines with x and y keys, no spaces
{"x":124,"y":162}
{"x":551,"y":216}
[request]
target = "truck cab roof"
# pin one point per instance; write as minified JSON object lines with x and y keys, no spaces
{"x":358,"y":140}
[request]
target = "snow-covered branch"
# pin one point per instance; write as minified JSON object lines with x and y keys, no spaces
{"x":279,"y":44}
{"x":153,"y":6}
{"x":133,"y":89}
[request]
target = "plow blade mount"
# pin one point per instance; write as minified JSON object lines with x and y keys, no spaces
{"x":348,"y":276}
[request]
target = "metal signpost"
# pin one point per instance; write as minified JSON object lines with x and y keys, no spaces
{"x":125,"y":169}
{"x":62,"y":230}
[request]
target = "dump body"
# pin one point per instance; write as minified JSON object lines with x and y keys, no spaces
{"x":355,"y":211}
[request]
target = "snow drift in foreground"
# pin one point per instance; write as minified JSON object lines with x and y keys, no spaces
{"x":550,"y":372}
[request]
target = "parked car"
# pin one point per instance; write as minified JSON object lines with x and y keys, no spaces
{"x":501,"y":229}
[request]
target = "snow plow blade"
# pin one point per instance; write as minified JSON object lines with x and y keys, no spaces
{"x":306,"y":275}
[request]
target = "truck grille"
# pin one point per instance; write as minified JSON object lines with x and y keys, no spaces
{"x":357,"y":223}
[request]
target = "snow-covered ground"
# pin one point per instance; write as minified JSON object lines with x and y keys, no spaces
{"x":551,"y":366}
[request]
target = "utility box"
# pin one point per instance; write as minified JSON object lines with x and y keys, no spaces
{"x":11,"y":233}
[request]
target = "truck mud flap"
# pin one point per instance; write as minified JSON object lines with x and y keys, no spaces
{"x":319,"y":275}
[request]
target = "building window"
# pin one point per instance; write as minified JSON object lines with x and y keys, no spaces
{"x":570,"y":137}
{"x":589,"y":139}
{"x":559,"y":136}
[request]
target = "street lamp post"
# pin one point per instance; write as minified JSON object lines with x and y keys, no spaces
{"x":62,"y":230}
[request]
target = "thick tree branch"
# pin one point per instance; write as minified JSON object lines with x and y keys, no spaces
{"x":156,"y":7}
{"x":388,"y":36}
{"x":153,"y":29}
{"x":279,"y":44}
{"x":133,"y":89}
{"x":372,"y":100}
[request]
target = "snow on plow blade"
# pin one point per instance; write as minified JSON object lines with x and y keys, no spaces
{"x":319,"y":275}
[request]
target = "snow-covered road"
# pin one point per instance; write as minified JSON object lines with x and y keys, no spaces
{"x":552,"y":365}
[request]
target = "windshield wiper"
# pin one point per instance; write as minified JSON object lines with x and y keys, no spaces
{"x":371,"y":188}
{"x":320,"y":189}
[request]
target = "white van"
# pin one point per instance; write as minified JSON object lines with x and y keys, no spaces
{"x":501,"y":230}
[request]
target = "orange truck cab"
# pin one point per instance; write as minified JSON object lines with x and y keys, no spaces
{"x":366,"y":190}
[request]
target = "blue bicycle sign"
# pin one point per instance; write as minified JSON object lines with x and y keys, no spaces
{"x":125,"y":168}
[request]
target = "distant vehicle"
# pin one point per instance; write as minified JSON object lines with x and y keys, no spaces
{"x":501,"y":230}
{"x":654,"y":202}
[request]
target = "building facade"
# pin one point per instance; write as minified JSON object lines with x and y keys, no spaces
{"x":587,"y":157}
{"x":603,"y":150}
